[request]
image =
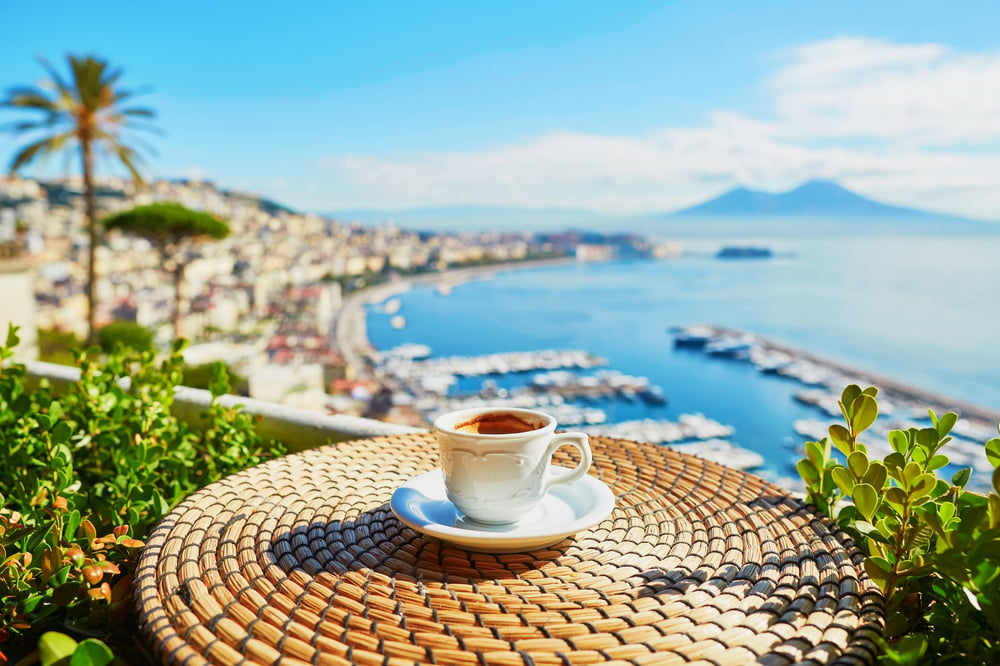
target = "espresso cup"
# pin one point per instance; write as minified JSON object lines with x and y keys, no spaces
{"x":495,"y":460}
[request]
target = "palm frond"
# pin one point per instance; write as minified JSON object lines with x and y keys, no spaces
{"x":88,"y":74}
{"x":139,"y":143}
{"x":22,"y":126}
{"x":39,"y":148}
{"x":61,"y":87}
{"x":142,"y":127}
{"x":139,"y":111}
{"x":30,"y":98}
{"x":110,"y":77}
{"x":122,"y":95}
{"x":128,"y":157}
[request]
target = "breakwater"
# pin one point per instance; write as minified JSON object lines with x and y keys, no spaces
{"x":818,"y":371}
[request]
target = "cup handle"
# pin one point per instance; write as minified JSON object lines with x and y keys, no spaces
{"x":582,"y":444}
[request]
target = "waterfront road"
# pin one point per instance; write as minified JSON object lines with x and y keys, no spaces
{"x":350,"y":332}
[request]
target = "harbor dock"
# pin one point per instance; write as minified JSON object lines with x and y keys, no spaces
{"x":827,"y":377}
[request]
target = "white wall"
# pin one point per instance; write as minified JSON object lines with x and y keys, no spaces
{"x":17,"y":305}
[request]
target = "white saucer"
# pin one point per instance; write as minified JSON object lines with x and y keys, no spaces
{"x":421,"y":503}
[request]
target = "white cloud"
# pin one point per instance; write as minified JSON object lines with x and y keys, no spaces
{"x":892,"y":121}
{"x":920,"y":95}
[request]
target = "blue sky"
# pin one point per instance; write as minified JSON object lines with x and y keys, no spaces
{"x":618,"y":107}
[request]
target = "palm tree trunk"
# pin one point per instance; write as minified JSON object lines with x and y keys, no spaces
{"x":178,"y":279}
{"x":90,"y":203}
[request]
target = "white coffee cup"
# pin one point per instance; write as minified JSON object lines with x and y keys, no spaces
{"x":495,"y":460}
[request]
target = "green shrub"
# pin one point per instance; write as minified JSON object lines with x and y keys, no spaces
{"x":55,"y":346}
{"x":85,"y":476}
{"x":931,"y":546}
{"x":126,"y":334}
{"x":204,"y":374}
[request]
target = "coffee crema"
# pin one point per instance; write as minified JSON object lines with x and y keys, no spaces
{"x":497,"y":423}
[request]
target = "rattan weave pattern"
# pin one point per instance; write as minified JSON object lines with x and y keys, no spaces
{"x":301,"y":561}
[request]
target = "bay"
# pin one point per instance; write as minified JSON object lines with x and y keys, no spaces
{"x":922,"y":310}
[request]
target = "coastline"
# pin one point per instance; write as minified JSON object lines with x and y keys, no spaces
{"x":352,"y":339}
{"x":350,"y":330}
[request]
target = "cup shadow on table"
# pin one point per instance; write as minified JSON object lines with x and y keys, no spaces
{"x":377,"y":541}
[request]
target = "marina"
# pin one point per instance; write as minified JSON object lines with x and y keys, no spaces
{"x":578,"y":389}
{"x":901,"y":406}
{"x":556,"y":382}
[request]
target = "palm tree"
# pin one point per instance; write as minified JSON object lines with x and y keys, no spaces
{"x":171,"y":229}
{"x":84,"y":111}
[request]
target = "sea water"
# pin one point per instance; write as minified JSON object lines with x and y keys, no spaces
{"x":922,"y":310}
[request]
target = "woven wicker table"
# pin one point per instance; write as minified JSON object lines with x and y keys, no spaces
{"x":301,"y":561}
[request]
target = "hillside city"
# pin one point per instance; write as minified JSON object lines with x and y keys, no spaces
{"x":265,"y":300}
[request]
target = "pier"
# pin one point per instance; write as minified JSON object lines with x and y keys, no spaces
{"x":815,"y":370}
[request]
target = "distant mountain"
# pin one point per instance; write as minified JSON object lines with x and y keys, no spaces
{"x":816,"y":207}
{"x":815,"y":198}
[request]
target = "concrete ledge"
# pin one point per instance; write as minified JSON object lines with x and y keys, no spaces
{"x":296,"y":428}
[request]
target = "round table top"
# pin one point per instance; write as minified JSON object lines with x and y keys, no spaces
{"x":301,"y":561}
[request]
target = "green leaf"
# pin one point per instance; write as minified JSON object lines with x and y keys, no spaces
{"x":61,"y":432}
{"x":878,"y":569}
{"x":961,"y":477}
{"x":909,"y":649}
{"x":866,"y":499}
{"x":876,"y":475}
{"x":857,"y":462}
{"x":994,"y":510}
{"x":896,"y":496}
{"x":865,"y":411}
{"x":841,"y":438}
{"x":945,"y":424}
{"x":871,"y":390}
{"x":65,"y":593}
{"x":928,"y":514}
{"x":898,"y":441}
{"x":12,"y":338}
{"x":937,"y":462}
{"x":815,"y":452}
{"x":993,"y":451}
{"x":844,"y":480}
{"x":71,"y":523}
{"x":807,"y":471}
{"x":55,"y":649}
{"x":910,"y":472}
{"x":922,"y":485}
{"x":826,"y":484}
{"x":91,"y":652}
{"x":972,"y":518}
{"x":869,"y":531}
{"x":847,"y":397}
{"x":927,"y":437}
{"x":894,"y":461}
{"x":996,"y":480}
